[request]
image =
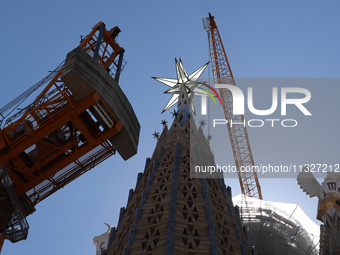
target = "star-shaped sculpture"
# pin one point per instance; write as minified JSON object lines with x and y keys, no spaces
{"x":189,"y":81}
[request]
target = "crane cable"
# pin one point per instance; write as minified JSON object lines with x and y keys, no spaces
{"x":12,"y":105}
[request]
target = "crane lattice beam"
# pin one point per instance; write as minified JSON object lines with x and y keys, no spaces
{"x":78,"y":120}
{"x":237,"y":133}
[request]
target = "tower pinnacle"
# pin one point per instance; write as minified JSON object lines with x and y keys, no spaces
{"x":183,"y":104}
{"x":189,"y":81}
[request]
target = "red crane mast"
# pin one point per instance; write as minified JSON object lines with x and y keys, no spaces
{"x":237,"y":133}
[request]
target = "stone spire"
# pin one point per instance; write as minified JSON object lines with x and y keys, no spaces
{"x":169,"y":212}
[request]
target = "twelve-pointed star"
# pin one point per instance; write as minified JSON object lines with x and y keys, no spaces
{"x":190,"y":82}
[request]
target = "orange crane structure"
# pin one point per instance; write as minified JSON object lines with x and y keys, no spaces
{"x":237,"y":133}
{"x":79,"y":119}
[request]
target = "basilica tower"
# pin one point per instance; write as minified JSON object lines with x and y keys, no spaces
{"x":169,"y":212}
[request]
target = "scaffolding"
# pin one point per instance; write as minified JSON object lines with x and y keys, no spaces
{"x":278,"y":228}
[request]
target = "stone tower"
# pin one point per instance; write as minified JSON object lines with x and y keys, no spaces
{"x":328,"y":193}
{"x":169,"y":212}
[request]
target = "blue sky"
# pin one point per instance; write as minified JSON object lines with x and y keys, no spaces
{"x":285,"y":39}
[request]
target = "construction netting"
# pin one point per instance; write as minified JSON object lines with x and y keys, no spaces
{"x":278,"y":228}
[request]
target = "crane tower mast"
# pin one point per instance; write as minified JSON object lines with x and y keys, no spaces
{"x":237,"y":133}
{"x":80,"y":118}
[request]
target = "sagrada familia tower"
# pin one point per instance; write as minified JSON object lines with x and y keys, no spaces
{"x":169,"y":211}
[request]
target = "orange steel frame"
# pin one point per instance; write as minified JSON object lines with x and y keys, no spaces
{"x":52,"y":154}
{"x":58,"y":139}
{"x":237,"y":133}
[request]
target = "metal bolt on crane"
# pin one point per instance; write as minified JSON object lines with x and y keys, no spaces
{"x":237,"y":133}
